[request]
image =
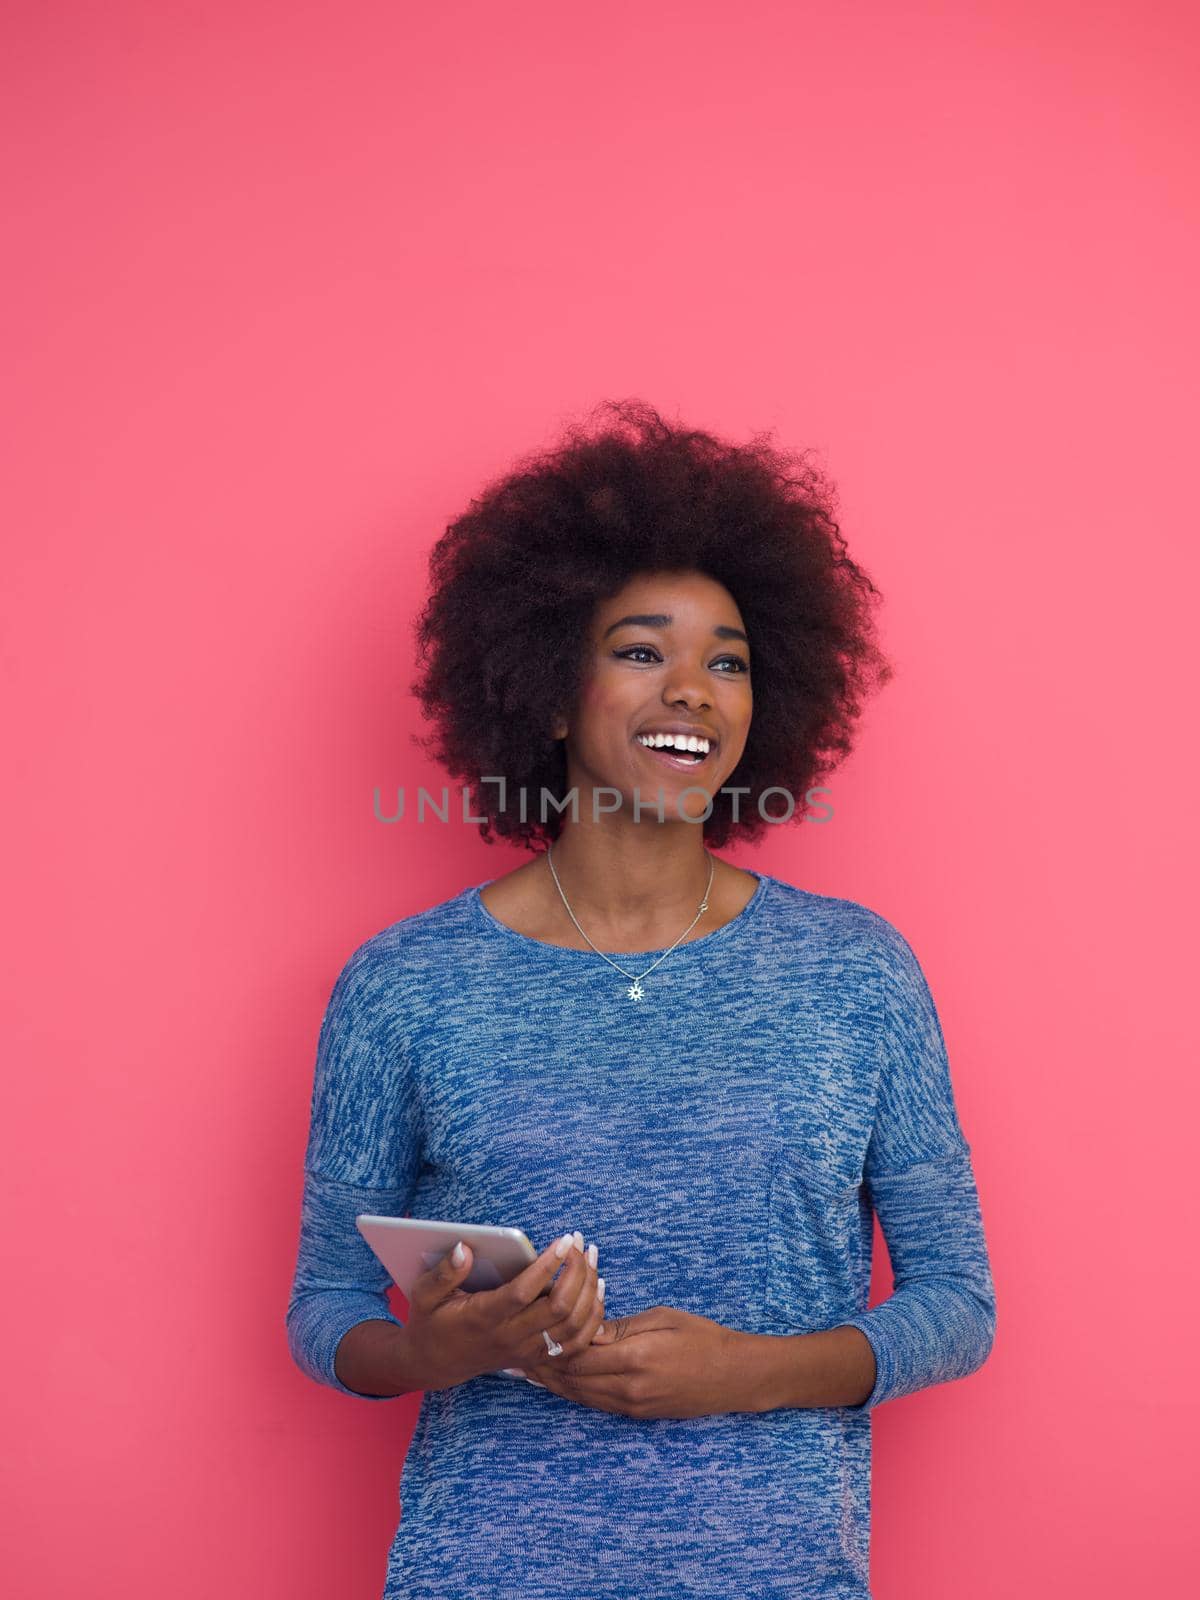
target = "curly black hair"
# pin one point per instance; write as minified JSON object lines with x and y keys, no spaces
{"x":516,"y":578}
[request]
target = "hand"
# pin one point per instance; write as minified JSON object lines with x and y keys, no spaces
{"x":657,"y":1363}
{"x":454,"y":1335}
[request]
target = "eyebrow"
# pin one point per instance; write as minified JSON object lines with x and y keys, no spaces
{"x":659,"y":619}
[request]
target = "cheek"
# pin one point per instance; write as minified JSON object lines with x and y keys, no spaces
{"x":600,"y":706}
{"x":603,"y":713}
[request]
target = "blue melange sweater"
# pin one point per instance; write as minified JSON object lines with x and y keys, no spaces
{"x":725,"y":1141}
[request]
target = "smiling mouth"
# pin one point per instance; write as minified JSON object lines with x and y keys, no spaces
{"x":681,"y":760}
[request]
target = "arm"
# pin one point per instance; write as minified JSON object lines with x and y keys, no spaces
{"x":939,"y":1322}
{"x":767,"y":1371}
{"x":363,"y":1155}
{"x":340,"y":1327}
{"x":374,"y":1360}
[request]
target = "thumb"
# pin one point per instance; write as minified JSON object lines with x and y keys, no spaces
{"x":454,"y":1266}
{"x":614,"y":1329}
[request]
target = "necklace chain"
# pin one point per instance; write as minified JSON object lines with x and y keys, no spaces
{"x":635,"y":990}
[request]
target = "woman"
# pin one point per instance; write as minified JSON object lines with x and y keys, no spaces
{"x":700,"y":1078}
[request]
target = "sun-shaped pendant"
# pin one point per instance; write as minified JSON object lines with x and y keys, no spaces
{"x":635,"y":990}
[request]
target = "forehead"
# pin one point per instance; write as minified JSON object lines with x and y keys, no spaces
{"x":685,"y":597}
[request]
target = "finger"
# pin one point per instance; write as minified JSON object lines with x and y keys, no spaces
{"x":562,"y":1311}
{"x":598,"y":1393}
{"x":554,"y":1305}
{"x":578,"y":1293}
{"x":591,"y":1309}
{"x":612,"y":1329}
{"x":601,"y":1331}
{"x":592,"y":1333}
{"x":533,"y":1281}
{"x":440,"y":1282}
{"x":577,"y":1331}
{"x":606,"y":1359}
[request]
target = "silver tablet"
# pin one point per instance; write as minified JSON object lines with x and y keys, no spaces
{"x":409,"y":1246}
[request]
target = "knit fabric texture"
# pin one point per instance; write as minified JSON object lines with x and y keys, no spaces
{"x":727,"y":1142}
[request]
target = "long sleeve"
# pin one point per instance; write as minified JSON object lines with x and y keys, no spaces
{"x":939,"y":1322}
{"x":363,"y":1155}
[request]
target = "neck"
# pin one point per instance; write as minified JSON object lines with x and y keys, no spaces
{"x":652,"y":877}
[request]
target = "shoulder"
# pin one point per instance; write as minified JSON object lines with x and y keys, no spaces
{"x":842,"y":948}
{"x":390,"y":966}
{"x":838,"y":924}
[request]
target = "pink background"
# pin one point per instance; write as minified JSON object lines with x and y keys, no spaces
{"x":287,"y":284}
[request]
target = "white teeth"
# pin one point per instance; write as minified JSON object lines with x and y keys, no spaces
{"x":674,"y":741}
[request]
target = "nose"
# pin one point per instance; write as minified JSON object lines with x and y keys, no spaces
{"x":685,"y":691}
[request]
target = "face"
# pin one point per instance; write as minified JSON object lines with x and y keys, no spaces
{"x":669,"y":652}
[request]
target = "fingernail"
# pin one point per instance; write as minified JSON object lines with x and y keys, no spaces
{"x":578,"y":1237}
{"x":563,"y":1245}
{"x":458,"y":1255}
{"x":599,"y":1288}
{"x":534,"y":1382}
{"x":593,"y":1254}
{"x":515,"y":1372}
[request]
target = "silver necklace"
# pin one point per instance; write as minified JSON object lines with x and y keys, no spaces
{"x":635,"y":990}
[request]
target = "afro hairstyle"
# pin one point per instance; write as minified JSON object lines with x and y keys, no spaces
{"x":515,"y":580}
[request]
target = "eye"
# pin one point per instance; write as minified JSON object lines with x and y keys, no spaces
{"x":631,"y":650}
